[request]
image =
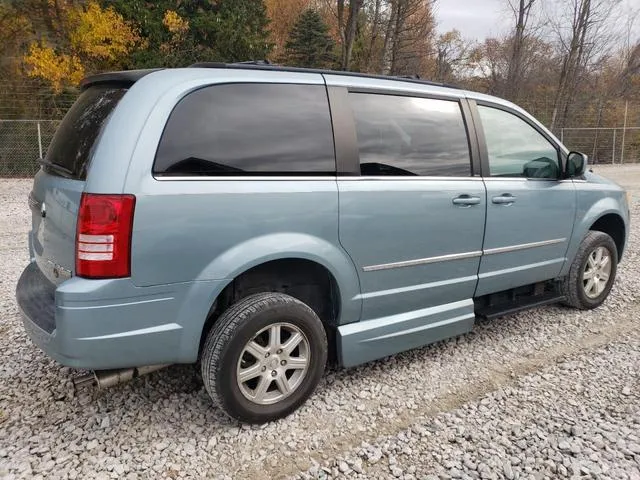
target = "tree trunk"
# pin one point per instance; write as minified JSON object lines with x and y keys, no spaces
{"x":341,"y":30}
{"x":514,"y":73}
{"x":571,"y":64}
{"x":396,"y":40}
{"x":374,"y":36}
{"x":388,"y":38}
{"x":349,"y":31}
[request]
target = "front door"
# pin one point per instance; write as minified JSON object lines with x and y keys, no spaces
{"x":412,"y":222}
{"x":530,"y":210}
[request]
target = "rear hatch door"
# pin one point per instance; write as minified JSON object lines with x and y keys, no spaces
{"x":58,"y":186}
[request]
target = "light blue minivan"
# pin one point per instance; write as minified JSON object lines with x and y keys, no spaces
{"x":264,"y":220}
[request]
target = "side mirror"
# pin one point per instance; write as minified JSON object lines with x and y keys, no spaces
{"x":576,"y":164}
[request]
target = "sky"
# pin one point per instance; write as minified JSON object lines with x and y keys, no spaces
{"x":479,"y":19}
{"x":476,"y":19}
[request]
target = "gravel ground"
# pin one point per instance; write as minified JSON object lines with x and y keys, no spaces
{"x":579,"y":418}
{"x":548,"y":393}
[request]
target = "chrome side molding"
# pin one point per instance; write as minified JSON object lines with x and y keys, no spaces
{"x":523,"y":246}
{"x":460,"y":256}
{"x":422,"y":261}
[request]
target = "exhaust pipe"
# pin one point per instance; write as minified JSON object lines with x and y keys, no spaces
{"x":109,"y":378}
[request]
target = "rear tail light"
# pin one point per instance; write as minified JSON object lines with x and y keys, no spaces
{"x":103,"y":236}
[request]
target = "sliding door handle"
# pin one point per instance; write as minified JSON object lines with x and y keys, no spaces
{"x":504,"y":199}
{"x":466,"y":200}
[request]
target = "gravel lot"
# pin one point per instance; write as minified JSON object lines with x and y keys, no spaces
{"x":550,"y":393}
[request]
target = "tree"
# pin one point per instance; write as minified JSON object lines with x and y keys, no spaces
{"x":489,"y":61}
{"x":91,"y":38}
{"x":409,"y":37}
{"x":358,"y":28}
{"x":347,"y":28}
{"x":309,"y":43}
{"x":451,"y":52}
{"x":374,"y":48}
{"x":197,"y":31}
{"x":160,"y":48}
{"x":59,"y":69}
{"x":283,"y":15}
{"x":521,"y":11}
{"x":15,"y":31}
{"x":586,"y":37}
{"x":238,"y":30}
{"x":628,"y":80}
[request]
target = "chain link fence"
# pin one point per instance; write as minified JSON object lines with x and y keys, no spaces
{"x":22,"y":143}
{"x":604,"y":145}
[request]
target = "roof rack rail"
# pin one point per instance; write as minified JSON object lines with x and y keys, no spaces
{"x":210,"y":65}
{"x":253,"y":62}
{"x":267,"y":66}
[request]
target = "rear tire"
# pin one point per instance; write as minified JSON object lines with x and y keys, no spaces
{"x":264,"y":357}
{"x":592,"y":272}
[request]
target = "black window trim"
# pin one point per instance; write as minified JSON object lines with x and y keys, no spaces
{"x":344,"y":133}
{"x":347,"y":153}
{"x":482,"y":142}
{"x":161,"y":177}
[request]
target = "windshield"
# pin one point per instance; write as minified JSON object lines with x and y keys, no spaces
{"x":70,"y":150}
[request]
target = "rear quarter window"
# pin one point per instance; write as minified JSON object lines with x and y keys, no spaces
{"x":73,"y":143}
{"x":249,"y":129}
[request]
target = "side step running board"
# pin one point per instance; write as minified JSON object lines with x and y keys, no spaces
{"x":501,"y":310}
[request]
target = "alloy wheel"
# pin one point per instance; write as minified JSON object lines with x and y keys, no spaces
{"x":273,"y":363}
{"x":597,"y":272}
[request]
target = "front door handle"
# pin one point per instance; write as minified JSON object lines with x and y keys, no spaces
{"x":466,"y":200}
{"x":504,"y":199}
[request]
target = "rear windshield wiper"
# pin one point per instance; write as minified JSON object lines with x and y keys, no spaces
{"x":59,"y":169}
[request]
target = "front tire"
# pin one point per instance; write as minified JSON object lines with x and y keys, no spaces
{"x":264,"y":357}
{"x":592,"y":272}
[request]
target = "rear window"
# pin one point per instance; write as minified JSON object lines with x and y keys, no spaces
{"x":70,"y":150}
{"x":249,"y":129}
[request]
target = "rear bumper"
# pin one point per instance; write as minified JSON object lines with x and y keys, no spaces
{"x":104,"y":324}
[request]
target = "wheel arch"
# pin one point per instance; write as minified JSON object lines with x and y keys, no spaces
{"x":599,"y":216}
{"x":613,"y":225}
{"x":284,"y":246}
{"x":307,"y":280}
{"x":276,"y":262}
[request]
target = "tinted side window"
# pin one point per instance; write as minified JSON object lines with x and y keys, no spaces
{"x":515,"y":148}
{"x":410,"y":136}
{"x":249,"y":129}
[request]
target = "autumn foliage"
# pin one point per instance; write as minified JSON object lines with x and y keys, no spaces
{"x":569,"y":63}
{"x":89,"y":36}
{"x":58,"y":69}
